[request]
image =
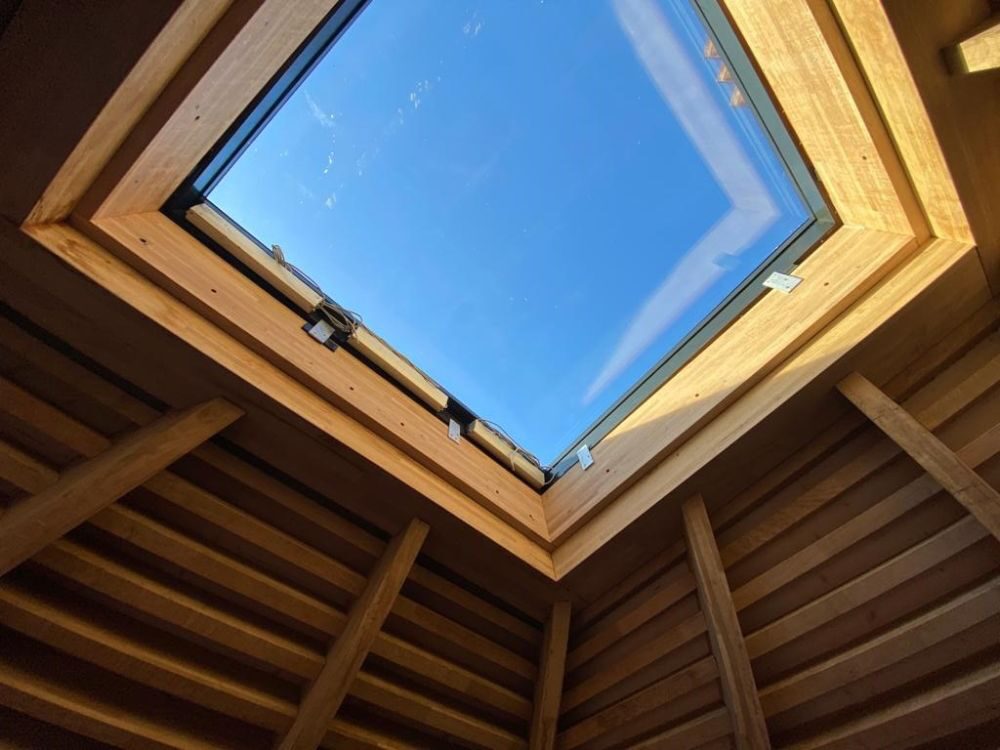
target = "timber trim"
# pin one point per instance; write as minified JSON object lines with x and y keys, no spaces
{"x":551,"y":671}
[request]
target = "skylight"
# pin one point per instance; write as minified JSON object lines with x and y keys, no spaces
{"x":544,"y":205}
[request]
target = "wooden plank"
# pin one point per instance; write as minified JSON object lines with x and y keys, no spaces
{"x":978,"y":51}
{"x":822,"y":359}
{"x":87,"y":488}
{"x":965,"y":700}
{"x":669,"y":640}
{"x":218,"y":227}
{"x":865,"y":524}
{"x":97,"y":264}
{"x":901,"y":642}
{"x":364,"y":621}
{"x":172,"y":258}
{"x":551,"y":672}
{"x":692,"y":733}
{"x":806,"y":61}
{"x":661,"y":692}
{"x":173,"y":45}
{"x":886,"y":71}
{"x":866,"y":587}
{"x":288,"y":603}
{"x":963,"y":110}
{"x":838,"y":273}
{"x":738,"y":686}
{"x":239,"y":55}
{"x":953,"y":474}
{"x":330,"y":527}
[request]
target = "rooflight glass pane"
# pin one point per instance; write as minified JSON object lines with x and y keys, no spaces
{"x":533,"y":200}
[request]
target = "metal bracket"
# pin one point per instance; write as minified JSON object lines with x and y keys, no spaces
{"x":783,"y":282}
{"x":583,"y":456}
{"x":454,"y":430}
{"x":322,"y":332}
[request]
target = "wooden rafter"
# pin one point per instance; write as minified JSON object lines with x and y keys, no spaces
{"x":364,"y":623}
{"x":728,"y":645}
{"x":977,"y":51}
{"x":85,"y":489}
{"x":549,"y":688}
{"x":936,"y":458}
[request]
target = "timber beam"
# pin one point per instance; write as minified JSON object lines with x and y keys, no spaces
{"x":364,"y":623}
{"x":936,"y":458}
{"x":89,"y":487}
{"x":738,"y":687}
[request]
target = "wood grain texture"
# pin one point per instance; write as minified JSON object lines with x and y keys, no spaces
{"x":207,"y":219}
{"x":953,"y":474}
{"x":190,"y":22}
{"x":219,"y":79}
{"x":804,"y":57}
{"x":212,"y":288}
{"x":836,"y":275}
{"x":728,"y":645}
{"x":551,"y":672}
{"x":978,"y":51}
{"x":343,"y":661}
{"x":97,"y":264}
{"x":86,"y":488}
{"x":887,"y":73}
{"x":963,"y":110}
{"x":821,"y":358}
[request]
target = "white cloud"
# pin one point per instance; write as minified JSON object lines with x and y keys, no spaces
{"x":325,"y":119}
{"x":752,"y":211}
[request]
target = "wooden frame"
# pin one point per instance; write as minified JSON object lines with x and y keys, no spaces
{"x":838,"y":72}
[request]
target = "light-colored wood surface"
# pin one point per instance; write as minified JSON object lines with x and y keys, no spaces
{"x":551,"y":671}
{"x":807,"y":63}
{"x":85,"y":489}
{"x":854,"y":576}
{"x":886,"y":71}
{"x":823,"y":354}
{"x":205,"y":218}
{"x":979,"y":50}
{"x":836,"y":275}
{"x":480,"y":685}
{"x":486,"y":438}
{"x":251,"y":42}
{"x":953,"y":474}
{"x":172,"y":46}
{"x":375,"y":350}
{"x":963,"y":110}
{"x":728,"y":646}
{"x":151,"y":301}
{"x":343,"y":661}
{"x":378,"y":410}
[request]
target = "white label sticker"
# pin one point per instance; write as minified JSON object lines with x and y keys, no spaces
{"x":583,"y":456}
{"x":454,"y":430}
{"x":783,"y":282}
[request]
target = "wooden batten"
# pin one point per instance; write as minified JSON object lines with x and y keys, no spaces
{"x":978,"y":51}
{"x":217,"y":227}
{"x":506,"y":452}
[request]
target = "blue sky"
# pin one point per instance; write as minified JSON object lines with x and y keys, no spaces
{"x":533,"y":200}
